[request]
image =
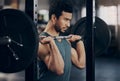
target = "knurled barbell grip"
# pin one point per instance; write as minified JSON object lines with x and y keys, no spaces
{"x":62,"y":37}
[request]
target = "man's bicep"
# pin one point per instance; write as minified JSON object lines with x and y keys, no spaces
{"x":42,"y":51}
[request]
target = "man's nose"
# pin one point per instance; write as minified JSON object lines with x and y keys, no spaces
{"x":68,"y":24}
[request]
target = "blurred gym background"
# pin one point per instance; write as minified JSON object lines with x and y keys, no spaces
{"x":106,"y":64}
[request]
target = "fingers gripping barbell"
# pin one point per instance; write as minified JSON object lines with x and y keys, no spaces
{"x":19,"y":39}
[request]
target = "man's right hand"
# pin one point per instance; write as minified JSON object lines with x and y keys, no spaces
{"x":74,"y":38}
{"x":46,"y":39}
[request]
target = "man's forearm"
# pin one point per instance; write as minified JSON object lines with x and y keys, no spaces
{"x":81,"y":53}
{"x":56,"y":62}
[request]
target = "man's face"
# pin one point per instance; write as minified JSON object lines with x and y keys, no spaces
{"x":63,"y":22}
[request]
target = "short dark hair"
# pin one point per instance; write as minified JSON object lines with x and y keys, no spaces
{"x":58,"y":7}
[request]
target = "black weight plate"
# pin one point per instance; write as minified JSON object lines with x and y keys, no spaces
{"x":20,"y":28}
{"x":102,"y":34}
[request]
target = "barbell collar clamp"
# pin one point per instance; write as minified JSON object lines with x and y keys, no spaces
{"x":6,"y":40}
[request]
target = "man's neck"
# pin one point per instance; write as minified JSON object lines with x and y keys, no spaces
{"x":51,"y":30}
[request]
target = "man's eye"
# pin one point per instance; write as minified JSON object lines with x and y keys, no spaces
{"x":66,"y":19}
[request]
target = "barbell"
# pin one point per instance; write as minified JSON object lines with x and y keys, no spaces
{"x":56,"y":37}
{"x":19,"y":39}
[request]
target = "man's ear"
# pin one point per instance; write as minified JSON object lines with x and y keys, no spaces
{"x":53,"y":18}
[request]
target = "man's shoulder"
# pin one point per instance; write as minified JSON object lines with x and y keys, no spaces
{"x":44,"y":34}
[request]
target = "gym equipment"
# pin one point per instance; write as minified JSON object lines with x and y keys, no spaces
{"x":102,"y":34}
{"x":57,"y":37}
{"x":19,"y":39}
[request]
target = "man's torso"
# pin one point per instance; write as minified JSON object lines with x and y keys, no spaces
{"x":65,"y":50}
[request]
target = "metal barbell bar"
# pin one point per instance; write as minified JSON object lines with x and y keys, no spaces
{"x":57,"y":37}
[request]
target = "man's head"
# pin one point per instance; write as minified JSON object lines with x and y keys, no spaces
{"x":61,"y":14}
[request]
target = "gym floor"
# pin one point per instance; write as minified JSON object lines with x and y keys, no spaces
{"x":12,"y":76}
{"x":106,"y":69}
